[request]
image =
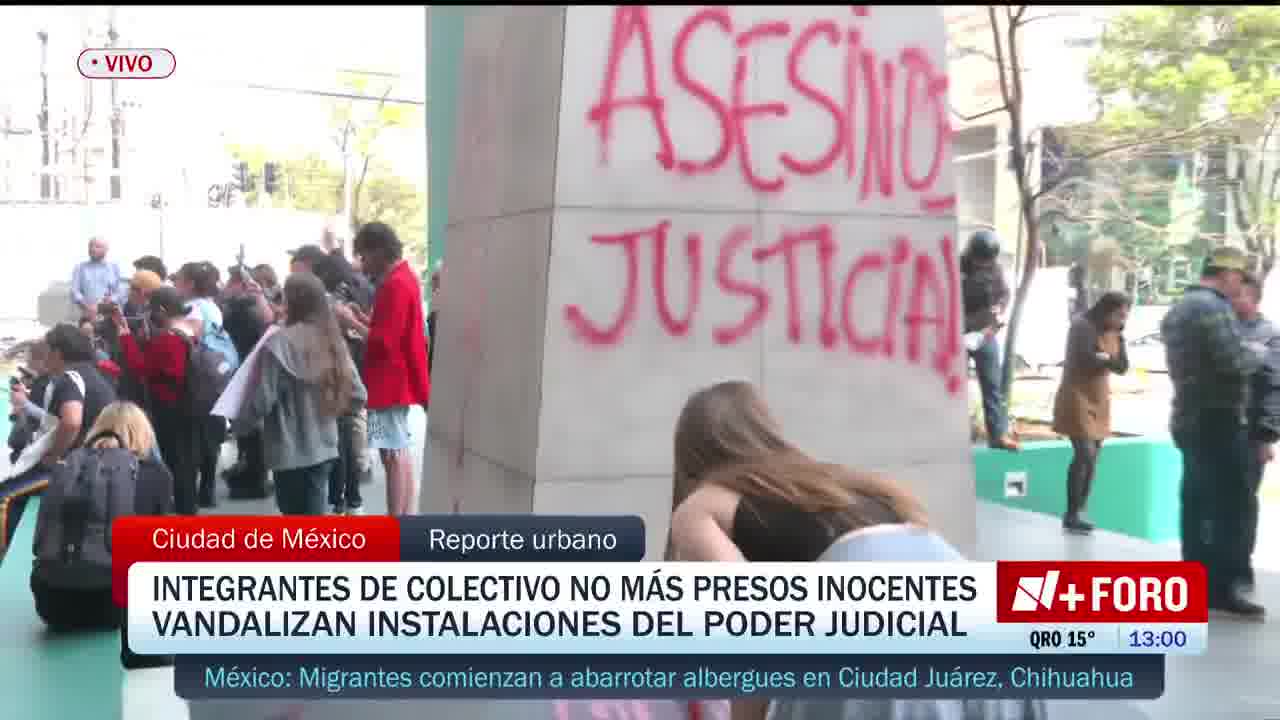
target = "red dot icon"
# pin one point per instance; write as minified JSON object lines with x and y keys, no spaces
{"x":95,"y":62}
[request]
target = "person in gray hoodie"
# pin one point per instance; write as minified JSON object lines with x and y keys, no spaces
{"x":307,"y":380}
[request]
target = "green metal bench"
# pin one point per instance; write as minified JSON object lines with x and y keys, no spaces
{"x":48,"y":676}
{"x":1135,"y":491}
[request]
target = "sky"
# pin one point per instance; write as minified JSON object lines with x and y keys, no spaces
{"x":219,"y":51}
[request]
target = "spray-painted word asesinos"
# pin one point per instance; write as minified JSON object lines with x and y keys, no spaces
{"x":867,"y":146}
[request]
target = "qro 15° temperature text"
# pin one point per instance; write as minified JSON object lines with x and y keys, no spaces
{"x":1075,"y":639}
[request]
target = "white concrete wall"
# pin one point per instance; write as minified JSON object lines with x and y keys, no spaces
{"x":561,"y":374}
{"x":44,"y":242}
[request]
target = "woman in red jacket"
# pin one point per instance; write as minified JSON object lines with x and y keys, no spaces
{"x":395,"y":362}
{"x":161,"y":364}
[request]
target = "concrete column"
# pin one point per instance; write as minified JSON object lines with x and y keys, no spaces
{"x":604,"y":265}
{"x":444,"y":46}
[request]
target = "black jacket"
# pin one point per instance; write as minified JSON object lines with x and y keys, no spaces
{"x":984,"y":288}
{"x":431,"y":340}
{"x":242,"y":323}
{"x":24,"y":428}
{"x":1263,"y":408}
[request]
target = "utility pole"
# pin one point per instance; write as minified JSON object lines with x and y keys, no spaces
{"x":44,"y":114}
{"x":8,"y":131}
{"x":112,"y":38}
{"x":347,"y":184}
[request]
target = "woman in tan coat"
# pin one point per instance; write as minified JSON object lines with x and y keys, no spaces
{"x":1082,"y":406}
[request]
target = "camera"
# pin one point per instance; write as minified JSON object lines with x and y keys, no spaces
{"x":24,"y":377}
{"x":343,"y":293}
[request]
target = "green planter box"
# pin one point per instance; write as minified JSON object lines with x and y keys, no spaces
{"x":1135,"y":491}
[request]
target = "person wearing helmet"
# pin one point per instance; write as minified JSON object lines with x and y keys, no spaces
{"x":985,"y":296}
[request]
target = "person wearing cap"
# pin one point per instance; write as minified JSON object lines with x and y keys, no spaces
{"x":1263,"y":410}
{"x":305,"y":258}
{"x":160,"y":362}
{"x":986,"y":294}
{"x":1210,"y":365}
{"x":339,"y":278}
{"x":152,"y":264}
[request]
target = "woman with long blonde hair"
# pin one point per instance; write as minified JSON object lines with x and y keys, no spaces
{"x":743,"y":493}
{"x":119,"y":425}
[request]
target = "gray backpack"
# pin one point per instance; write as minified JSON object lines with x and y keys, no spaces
{"x":86,"y":492}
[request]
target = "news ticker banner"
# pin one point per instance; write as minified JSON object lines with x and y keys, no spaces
{"x":667,"y":677}
{"x":236,"y":586}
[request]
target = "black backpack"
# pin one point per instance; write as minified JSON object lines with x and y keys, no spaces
{"x":208,"y":374}
{"x":87,"y":492}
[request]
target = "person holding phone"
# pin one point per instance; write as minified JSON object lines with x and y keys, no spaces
{"x":986,"y":294}
{"x":1082,"y":404}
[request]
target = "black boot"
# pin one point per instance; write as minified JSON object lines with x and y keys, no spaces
{"x":205,"y":496}
{"x":1074,"y":523}
{"x":1235,"y":605}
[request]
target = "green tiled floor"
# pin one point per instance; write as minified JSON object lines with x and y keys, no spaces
{"x":48,"y":676}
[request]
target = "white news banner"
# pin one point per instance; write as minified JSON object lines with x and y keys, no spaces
{"x":594,"y":608}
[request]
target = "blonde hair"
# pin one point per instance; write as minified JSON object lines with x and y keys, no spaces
{"x":726,"y":436}
{"x":130,"y":426}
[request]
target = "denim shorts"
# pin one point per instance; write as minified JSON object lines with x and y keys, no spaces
{"x":389,"y":428}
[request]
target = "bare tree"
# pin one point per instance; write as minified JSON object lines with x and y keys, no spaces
{"x":1007,"y":24}
{"x":1257,"y":205}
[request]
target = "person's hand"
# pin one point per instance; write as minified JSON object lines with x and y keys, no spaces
{"x":344,"y":314}
{"x":117,"y":319}
{"x":1266,"y":453}
{"x":359,"y":314}
{"x":18,"y":397}
{"x":1103,"y":357}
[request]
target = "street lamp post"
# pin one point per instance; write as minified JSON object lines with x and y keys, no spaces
{"x":112,"y":38}
{"x":44,"y":114}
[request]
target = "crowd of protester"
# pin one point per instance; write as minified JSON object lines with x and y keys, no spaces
{"x":339,"y":353}
{"x":114,"y":412}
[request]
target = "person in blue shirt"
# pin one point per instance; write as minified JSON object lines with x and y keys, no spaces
{"x":96,"y":280}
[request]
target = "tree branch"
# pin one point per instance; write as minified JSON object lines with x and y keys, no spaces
{"x":998,"y":44}
{"x":355,"y":192}
{"x":960,"y":52}
{"x":1048,"y":185}
{"x":979,"y":116}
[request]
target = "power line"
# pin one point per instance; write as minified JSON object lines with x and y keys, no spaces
{"x":345,"y":96}
{"x":372,"y":73}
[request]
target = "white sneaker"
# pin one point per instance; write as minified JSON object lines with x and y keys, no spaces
{"x":358,"y":510}
{"x":337,"y":510}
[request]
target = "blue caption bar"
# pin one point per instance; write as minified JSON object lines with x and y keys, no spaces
{"x":521,"y":538}
{"x":511,"y":677}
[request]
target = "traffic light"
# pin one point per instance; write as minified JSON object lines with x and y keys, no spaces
{"x":240,"y":176}
{"x":270,"y":178}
